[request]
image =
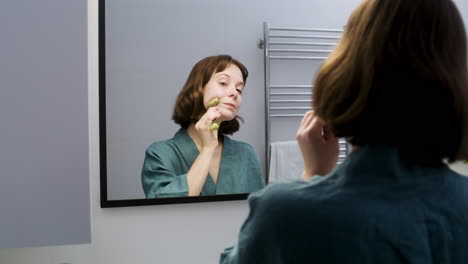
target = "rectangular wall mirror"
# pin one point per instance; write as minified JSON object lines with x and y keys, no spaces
{"x":147,"y":50}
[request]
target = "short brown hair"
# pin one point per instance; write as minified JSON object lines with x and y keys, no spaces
{"x":189,"y":106}
{"x":398,"y":77}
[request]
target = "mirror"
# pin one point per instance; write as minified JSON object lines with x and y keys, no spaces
{"x":147,"y":49}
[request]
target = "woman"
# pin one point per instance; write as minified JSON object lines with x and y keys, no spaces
{"x":396,"y":88}
{"x":200,"y":160}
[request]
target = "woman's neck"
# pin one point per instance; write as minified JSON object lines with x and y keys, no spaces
{"x":195,"y":136}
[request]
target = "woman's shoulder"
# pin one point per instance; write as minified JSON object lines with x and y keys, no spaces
{"x":158,"y":145}
{"x":286,"y":191}
{"x":179,"y":138}
{"x":238,"y":144}
{"x":164,"y":146}
{"x":286,"y":200}
{"x":456,"y":184}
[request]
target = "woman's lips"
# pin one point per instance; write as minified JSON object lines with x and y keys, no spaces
{"x":231,"y":105}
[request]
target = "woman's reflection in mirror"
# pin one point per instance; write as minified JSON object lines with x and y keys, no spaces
{"x":200,"y":159}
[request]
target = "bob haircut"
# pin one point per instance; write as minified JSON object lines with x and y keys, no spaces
{"x":189,"y":106}
{"x":398,"y":77}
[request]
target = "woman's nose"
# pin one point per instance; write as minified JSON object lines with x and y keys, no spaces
{"x":233,"y":91}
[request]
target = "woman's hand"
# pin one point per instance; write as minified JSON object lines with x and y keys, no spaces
{"x":319,"y":147}
{"x":208,"y":138}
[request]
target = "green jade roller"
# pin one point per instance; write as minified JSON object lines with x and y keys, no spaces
{"x":211,"y":103}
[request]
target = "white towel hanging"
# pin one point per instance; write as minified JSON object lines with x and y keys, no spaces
{"x":286,"y":161}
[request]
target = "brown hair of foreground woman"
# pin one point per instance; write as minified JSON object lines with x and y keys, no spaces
{"x":399,"y":77}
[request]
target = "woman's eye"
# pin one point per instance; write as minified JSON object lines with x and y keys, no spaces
{"x":223,"y":83}
{"x":239,"y":91}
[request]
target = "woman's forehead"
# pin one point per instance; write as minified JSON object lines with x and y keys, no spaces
{"x":232,"y":72}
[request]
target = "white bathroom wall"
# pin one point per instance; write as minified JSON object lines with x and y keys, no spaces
{"x":44,"y":155}
{"x":186,"y":233}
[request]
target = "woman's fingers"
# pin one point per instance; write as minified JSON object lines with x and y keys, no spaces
{"x":208,"y":118}
{"x":319,"y":147}
{"x":215,"y":114}
{"x":307,"y":117}
{"x":315,"y":126}
{"x":311,"y":126}
{"x":212,"y":116}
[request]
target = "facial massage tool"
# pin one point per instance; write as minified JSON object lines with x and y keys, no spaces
{"x":211,"y":103}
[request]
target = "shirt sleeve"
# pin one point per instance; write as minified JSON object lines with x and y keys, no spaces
{"x":159,"y":179}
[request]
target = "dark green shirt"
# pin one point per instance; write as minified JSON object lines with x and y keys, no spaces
{"x":166,"y":164}
{"x":373,"y":208}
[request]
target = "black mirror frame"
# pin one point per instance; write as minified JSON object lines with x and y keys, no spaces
{"x":105,"y":203}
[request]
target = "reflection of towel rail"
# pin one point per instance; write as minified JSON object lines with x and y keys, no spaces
{"x":301,"y":43}
{"x":304,"y":36}
{"x":297,"y":58}
{"x":282,"y":44}
{"x":287,"y":115}
{"x":290,"y":108}
{"x":291,"y":101}
{"x":291,"y":86}
{"x":305,"y":29}
{"x":299,"y":50}
{"x":291,"y":93}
